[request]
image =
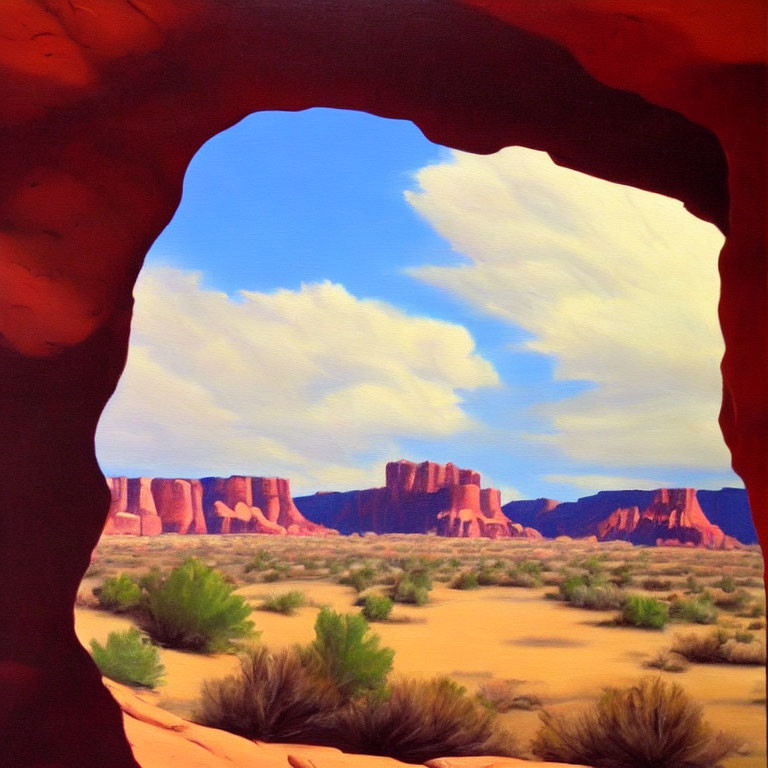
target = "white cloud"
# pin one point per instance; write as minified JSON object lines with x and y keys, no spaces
{"x":618,"y":285}
{"x":313,"y":384}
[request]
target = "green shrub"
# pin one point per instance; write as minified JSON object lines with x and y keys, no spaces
{"x":651,"y":725}
{"x":487,"y":577}
{"x":118,"y":594}
{"x":726,"y":583}
{"x":466,"y":580}
{"x":129,"y":657}
{"x":621,"y":576}
{"x":271,"y":698}
{"x":697,"y":611}
{"x":421,"y":720}
{"x":533,"y":567}
{"x":345,"y":653}
{"x":571,"y":582}
{"x":194,"y":609}
{"x":645,"y":612}
{"x":602,"y":598}
{"x":261,"y":561}
{"x":285,"y":603}
{"x":409,"y":591}
{"x":360,"y":578}
{"x":271,"y":576}
{"x":377,"y":607}
{"x":413,"y":586}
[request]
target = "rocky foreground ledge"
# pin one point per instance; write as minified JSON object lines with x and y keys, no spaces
{"x":160,"y":739}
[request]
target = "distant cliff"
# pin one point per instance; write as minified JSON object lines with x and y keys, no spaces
{"x":663,"y":516}
{"x":417,"y":498}
{"x":729,"y":509}
{"x":145,"y":506}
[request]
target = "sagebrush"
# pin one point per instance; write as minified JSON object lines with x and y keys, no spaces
{"x":650,"y":725}
{"x":129,"y":657}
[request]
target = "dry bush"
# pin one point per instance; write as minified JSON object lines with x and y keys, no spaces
{"x":502,"y":696}
{"x":271,"y":698}
{"x":651,"y":725}
{"x":667,"y":661}
{"x":420,"y":720}
{"x":719,"y":647}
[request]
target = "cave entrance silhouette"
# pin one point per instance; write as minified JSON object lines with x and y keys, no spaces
{"x":104,"y":105}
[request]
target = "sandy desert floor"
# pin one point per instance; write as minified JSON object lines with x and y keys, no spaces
{"x":564,"y":655}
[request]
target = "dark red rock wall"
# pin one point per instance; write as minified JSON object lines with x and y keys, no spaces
{"x":102,"y":106}
{"x":642,"y":517}
{"x":728,"y":509}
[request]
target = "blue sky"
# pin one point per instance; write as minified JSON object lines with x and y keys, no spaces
{"x":398,"y":303}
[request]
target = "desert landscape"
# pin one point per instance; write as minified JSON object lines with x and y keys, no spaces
{"x":497,"y":610}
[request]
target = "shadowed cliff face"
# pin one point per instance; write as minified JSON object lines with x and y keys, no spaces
{"x":418,"y":498}
{"x":102,"y":105}
{"x":671,"y":516}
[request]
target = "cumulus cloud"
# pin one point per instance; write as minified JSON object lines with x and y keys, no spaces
{"x":314,"y":384}
{"x":617,"y":285}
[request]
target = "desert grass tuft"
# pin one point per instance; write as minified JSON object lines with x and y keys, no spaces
{"x":421,"y":720}
{"x":720,"y":647}
{"x":650,"y":725}
{"x":286,"y":602}
{"x":271,"y":698}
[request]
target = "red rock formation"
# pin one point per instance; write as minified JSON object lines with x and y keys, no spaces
{"x":119,"y":519}
{"x":418,"y":498}
{"x":236,"y":504}
{"x":179,"y":505}
{"x":103,"y":104}
{"x":669,"y":516}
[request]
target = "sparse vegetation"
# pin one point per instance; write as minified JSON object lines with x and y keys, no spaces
{"x":359,"y":578}
{"x":700,"y":610}
{"x":119,"y":594}
{"x":413,"y":586}
{"x":667,"y":661}
{"x":657,"y":585}
{"x":600,"y":598}
{"x":272,"y":697}
{"x":719,"y":647}
{"x":466,"y":580}
{"x":130,"y":658}
{"x":651,"y":725}
{"x":504,"y":696}
{"x":645,"y":612}
{"x":286,"y":602}
{"x":377,"y":607}
{"x":346,"y":654}
{"x":420,"y":720}
{"x":194,"y":609}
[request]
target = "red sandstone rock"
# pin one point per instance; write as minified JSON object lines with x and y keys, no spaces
{"x":144,"y":506}
{"x":671,"y":516}
{"x":161,"y":740}
{"x":418,"y":498}
{"x":102,"y":105}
